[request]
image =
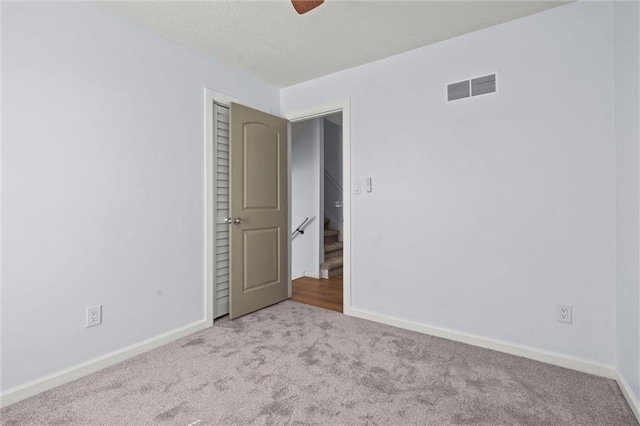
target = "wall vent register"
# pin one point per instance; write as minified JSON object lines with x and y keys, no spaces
{"x":458,"y":90}
{"x":474,"y":87}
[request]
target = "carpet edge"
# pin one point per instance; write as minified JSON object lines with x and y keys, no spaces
{"x":554,"y":358}
{"x":36,"y":386}
{"x":629,"y":395}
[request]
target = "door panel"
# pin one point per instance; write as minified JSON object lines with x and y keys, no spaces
{"x":259,"y":251}
{"x":261,"y":183}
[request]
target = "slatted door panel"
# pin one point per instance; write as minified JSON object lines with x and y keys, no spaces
{"x":221,"y":120}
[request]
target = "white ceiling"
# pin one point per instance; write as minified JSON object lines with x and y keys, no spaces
{"x":270,"y":41}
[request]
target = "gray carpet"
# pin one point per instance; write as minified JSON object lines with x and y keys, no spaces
{"x":294,"y":363}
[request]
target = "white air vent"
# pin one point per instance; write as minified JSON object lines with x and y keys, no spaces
{"x":483,"y":85}
{"x":458,"y":90}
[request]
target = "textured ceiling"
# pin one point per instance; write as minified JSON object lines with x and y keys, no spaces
{"x":270,"y":41}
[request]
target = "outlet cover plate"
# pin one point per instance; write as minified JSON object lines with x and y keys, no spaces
{"x":94,"y":315}
{"x":564,"y":314}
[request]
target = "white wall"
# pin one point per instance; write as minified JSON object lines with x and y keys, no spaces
{"x":627,"y":109}
{"x":488,"y":212}
{"x":333,"y":168}
{"x":306,"y":197}
{"x":333,"y":150}
{"x":103,"y":173}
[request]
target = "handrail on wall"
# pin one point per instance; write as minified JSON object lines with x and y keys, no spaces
{"x":332,"y":180}
{"x":299,"y":228}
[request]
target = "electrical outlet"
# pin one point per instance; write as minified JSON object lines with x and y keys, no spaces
{"x":564,"y":314}
{"x":94,"y":315}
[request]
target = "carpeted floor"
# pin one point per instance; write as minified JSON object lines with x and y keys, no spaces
{"x":294,"y":363}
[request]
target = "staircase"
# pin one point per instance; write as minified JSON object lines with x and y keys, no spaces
{"x":332,"y":265}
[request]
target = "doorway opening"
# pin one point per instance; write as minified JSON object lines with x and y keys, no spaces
{"x":317,"y":200}
{"x":217,"y":213}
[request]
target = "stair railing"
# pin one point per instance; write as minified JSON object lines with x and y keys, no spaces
{"x":299,"y":228}
{"x":332,"y":180}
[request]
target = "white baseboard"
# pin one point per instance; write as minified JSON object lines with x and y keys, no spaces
{"x":632,"y":398}
{"x":315,"y":275}
{"x":67,"y":375}
{"x":549,"y":357}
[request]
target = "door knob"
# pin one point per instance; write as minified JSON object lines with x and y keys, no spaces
{"x":235,"y":220}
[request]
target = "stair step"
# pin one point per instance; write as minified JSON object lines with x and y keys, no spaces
{"x":331,"y":232}
{"x":332,"y":254}
{"x":331,"y":236}
{"x":333,"y":250}
{"x":329,"y":247}
{"x":335,"y":262}
{"x":326,"y":223}
{"x":326,"y":274}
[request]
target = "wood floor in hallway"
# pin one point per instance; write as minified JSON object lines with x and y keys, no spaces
{"x":325,"y":294}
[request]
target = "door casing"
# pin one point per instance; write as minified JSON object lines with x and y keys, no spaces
{"x":342,"y":106}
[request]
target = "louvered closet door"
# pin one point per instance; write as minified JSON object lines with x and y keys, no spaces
{"x":221,"y":120}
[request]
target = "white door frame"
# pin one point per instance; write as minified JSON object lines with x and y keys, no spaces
{"x":343,"y":106}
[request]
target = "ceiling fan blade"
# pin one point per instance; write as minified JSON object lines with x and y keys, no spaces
{"x":303,"y":6}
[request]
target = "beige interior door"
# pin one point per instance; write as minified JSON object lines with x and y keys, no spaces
{"x":258,"y":234}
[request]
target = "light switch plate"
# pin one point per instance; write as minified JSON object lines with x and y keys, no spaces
{"x":357,"y":187}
